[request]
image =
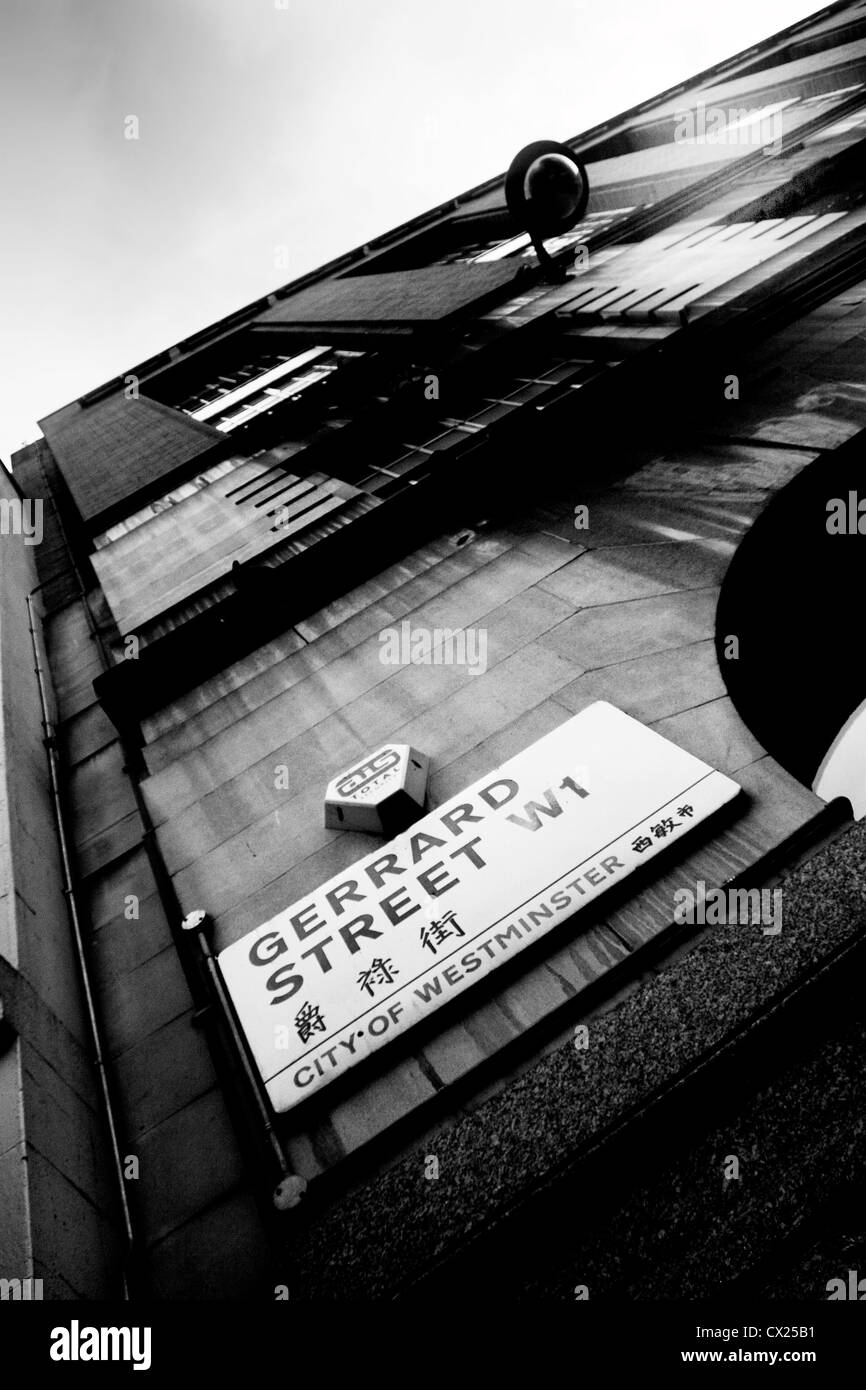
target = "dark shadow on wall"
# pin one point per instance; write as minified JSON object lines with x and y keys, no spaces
{"x":793,"y":597}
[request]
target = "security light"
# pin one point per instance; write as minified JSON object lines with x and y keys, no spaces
{"x":547,"y":190}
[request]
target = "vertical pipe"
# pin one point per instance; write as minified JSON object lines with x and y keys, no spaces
{"x":69,"y":894}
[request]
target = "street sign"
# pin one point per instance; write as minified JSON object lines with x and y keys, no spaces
{"x":413,"y":924}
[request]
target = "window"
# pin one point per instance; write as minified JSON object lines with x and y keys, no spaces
{"x":239,"y":394}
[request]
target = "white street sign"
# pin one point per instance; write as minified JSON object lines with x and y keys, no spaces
{"x":382,"y":945}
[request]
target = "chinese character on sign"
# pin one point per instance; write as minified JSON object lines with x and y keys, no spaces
{"x":435,"y":933}
{"x":308,"y":1020}
{"x":381,"y":972}
{"x":641,"y":843}
{"x":664,"y":827}
{"x":685,"y":811}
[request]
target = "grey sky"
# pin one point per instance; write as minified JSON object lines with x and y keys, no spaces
{"x":312,"y":127}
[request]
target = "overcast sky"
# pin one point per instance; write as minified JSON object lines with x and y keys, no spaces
{"x":309,"y":125}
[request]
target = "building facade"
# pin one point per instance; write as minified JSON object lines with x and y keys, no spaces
{"x":614,"y":484}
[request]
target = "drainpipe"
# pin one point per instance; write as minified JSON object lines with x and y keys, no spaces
{"x":69,"y":893}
